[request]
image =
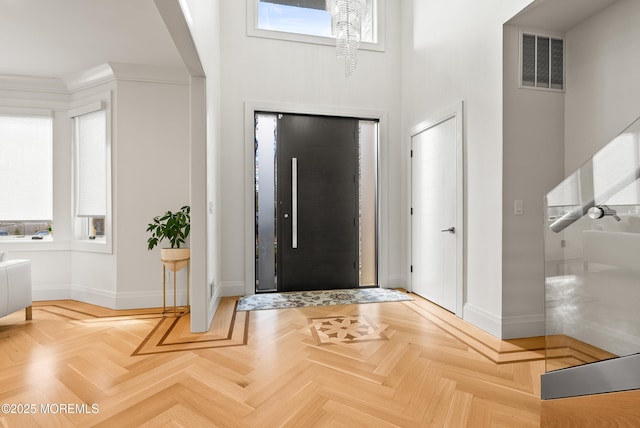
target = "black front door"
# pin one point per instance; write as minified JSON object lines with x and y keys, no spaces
{"x":317,"y":202}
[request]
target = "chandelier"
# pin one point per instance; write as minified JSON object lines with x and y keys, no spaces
{"x":346,"y":25}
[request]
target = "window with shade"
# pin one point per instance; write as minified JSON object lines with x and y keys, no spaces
{"x":92,"y":171}
{"x":26,"y":174}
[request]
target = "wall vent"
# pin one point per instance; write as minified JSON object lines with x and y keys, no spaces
{"x":541,"y":62}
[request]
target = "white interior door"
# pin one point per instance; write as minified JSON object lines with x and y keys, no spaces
{"x":436,"y":220}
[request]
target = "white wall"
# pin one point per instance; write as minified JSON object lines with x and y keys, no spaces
{"x":151,"y":176}
{"x":452,"y":51}
{"x":533,"y":163}
{"x":304,"y":75}
{"x":603,"y":88}
{"x":204,"y":24}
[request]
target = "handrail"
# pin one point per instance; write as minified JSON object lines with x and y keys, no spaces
{"x":579,"y":211}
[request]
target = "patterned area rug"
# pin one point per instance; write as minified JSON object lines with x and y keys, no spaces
{"x":301,"y":299}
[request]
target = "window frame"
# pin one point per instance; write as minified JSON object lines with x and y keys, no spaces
{"x":43,"y":113}
{"x":81,"y":238}
{"x":379,"y":22}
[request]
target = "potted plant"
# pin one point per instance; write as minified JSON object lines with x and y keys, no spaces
{"x":174,"y":227}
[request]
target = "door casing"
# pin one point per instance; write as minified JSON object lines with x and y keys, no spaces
{"x":247,"y":287}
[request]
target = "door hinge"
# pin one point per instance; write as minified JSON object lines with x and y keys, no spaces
{"x":411,"y":210}
{"x":411,"y":268}
{"x":411,"y":153}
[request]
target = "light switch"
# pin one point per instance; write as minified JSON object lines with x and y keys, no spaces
{"x":518,"y":207}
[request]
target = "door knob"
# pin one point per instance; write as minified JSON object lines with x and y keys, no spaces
{"x":450,"y":230}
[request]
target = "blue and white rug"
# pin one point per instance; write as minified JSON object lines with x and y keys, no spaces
{"x":301,"y":299}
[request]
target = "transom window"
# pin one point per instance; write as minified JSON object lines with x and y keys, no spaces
{"x":308,"y":21}
{"x":282,"y":15}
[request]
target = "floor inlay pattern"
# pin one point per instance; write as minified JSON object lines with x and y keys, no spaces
{"x":229,"y":328}
{"x":345,"y":329}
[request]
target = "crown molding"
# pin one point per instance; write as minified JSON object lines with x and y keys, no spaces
{"x":32,"y":84}
{"x":93,"y":77}
{"x":146,"y":73}
{"x":88,"y":78}
{"x":111,"y":71}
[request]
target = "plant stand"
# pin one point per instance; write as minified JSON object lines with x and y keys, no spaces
{"x":176,"y":310}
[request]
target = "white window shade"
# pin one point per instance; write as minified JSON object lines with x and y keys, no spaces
{"x":26,"y":168}
{"x":91,"y":158}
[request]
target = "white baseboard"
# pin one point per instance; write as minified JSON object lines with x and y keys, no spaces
{"x":45,"y":292}
{"x":482,"y":319}
{"x":523,"y":326}
{"x":148,"y":299}
{"x":94,"y":296}
{"x":233,"y":288}
{"x":505,"y":327}
{"x":106,"y":299}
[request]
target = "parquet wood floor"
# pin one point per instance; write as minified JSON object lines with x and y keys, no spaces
{"x":400,"y":364}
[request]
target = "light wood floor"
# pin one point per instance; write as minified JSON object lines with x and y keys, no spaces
{"x":401,"y":364}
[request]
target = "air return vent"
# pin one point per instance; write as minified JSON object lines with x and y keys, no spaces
{"x":541,"y":62}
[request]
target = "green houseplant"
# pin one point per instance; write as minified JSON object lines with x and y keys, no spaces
{"x":175,"y":228}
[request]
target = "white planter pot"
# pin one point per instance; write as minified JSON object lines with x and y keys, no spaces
{"x":175,"y":259}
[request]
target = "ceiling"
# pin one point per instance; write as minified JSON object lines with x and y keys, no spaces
{"x":46,"y":38}
{"x":558,"y":15}
{"x":57,"y":38}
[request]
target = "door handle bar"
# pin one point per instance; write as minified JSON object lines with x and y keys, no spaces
{"x":294,"y":203}
{"x":449,"y":229}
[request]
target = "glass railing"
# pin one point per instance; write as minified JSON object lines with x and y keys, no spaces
{"x":592,"y":259}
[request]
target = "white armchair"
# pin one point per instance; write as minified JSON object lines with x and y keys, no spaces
{"x":15,"y":287}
